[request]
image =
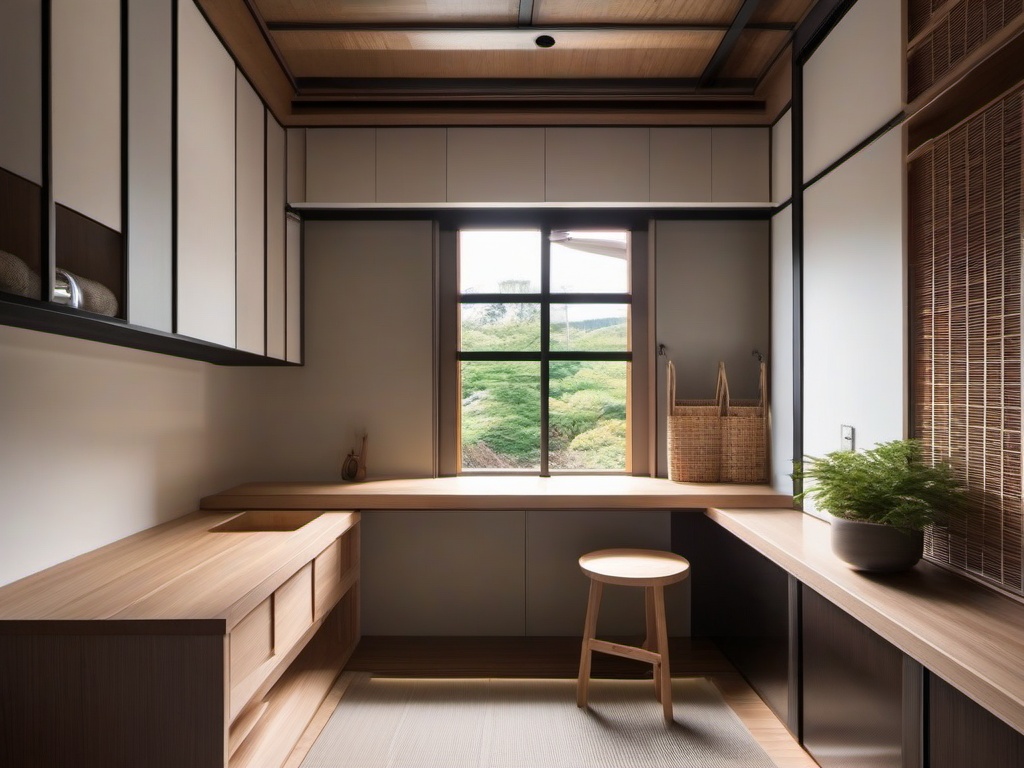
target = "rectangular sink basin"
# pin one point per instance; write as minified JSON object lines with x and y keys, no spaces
{"x":257,"y":520}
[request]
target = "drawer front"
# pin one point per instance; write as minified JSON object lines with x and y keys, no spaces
{"x":293,"y":609}
{"x":251,"y":641}
{"x":327,"y":573}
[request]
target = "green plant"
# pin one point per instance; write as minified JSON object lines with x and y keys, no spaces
{"x":890,"y":484}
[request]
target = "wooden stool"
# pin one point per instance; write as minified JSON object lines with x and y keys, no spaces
{"x":645,"y":568}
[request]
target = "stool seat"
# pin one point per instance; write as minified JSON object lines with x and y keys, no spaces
{"x":635,"y":567}
{"x":653,"y":571}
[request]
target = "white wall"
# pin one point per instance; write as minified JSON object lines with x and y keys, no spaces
{"x":855,"y":300}
{"x":369,"y":356}
{"x":99,"y":442}
{"x":712,"y":304}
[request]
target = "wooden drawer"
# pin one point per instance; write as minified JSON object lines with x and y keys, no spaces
{"x":293,"y":609}
{"x":251,"y":641}
{"x":327,"y":573}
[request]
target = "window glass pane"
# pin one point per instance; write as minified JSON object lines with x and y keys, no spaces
{"x":589,"y":262}
{"x":590,"y":327}
{"x":499,"y":327}
{"x":588,"y":422}
{"x":500,"y":415}
{"x":499,"y":261}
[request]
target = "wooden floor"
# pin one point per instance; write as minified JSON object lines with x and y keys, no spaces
{"x":538,"y":657}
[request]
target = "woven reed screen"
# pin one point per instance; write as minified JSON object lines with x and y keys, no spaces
{"x":965,"y":269}
{"x":954,"y":29}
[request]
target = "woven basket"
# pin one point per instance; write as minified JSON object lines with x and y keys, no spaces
{"x":695,"y":433}
{"x":745,"y":437}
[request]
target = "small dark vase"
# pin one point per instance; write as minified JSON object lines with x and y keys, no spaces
{"x":875,"y":547}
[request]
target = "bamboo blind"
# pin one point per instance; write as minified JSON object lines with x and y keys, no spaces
{"x":950,"y":30}
{"x":965,"y":213}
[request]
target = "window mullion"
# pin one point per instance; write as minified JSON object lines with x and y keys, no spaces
{"x":545,"y":346}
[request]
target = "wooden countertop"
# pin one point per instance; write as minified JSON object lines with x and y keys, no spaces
{"x":967,"y":634}
{"x":179,"y":571}
{"x":499,"y":493}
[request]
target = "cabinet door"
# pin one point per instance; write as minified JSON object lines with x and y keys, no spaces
{"x":961,"y":733}
{"x":411,"y":165}
{"x":150,"y":171}
{"x":293,"y":299}
{"x":250,"y":212}
{"x":85,"y":94}
{"x":495,"y":165}
{"x":206,"y":182}
{"x":21,"y":131}
{"x":296,"y":165}
{"x":597,"y":164}
{"x":739,"y":165}
{"x":277,"y":288}
{"x":341,"y":165}
{"x":852,"y":690}
{"x":681,"y":165}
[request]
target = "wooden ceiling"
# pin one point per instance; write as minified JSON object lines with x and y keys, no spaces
{"x":361,"y":61}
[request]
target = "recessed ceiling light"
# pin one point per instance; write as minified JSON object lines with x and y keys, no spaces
{"x":545,"y":41}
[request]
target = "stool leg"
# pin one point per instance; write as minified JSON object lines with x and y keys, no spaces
{"x":651,"y":642}
{"x":665,"y":673}
{"x":589,"y":631}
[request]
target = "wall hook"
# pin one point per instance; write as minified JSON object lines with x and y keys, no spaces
{"x":758,"y":355}
{"x":661,"y":350}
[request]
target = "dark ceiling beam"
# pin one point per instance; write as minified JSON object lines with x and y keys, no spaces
{"x":448,"y":26}
{"x":525,"y":13}
{"x":725,"y":48}
{"x":416,"y":88}
{"x":506,"y":106}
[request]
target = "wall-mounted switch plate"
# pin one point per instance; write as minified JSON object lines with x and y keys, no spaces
{"x":846,"y":441}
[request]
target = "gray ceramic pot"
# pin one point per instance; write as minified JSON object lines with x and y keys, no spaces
{"x":875,"y":547}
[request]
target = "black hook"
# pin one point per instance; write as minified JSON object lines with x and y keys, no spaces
{"x":758,"y":355}
{"x":661,"y":350}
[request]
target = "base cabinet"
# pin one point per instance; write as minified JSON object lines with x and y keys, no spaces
{"x":230,"y":677}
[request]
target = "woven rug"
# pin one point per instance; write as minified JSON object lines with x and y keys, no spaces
{"x":509,"y":723}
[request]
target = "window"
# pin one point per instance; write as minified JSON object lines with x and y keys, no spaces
{"x":542,"y":351}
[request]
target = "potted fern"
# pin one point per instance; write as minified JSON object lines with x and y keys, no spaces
{"x":881,"y":500}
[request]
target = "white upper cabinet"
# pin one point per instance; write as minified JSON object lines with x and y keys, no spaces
{"x":150,"y":171}
{"x":495,"y":165}
{"x":680,"y":165}
{"x":206,"y":182}
{"x":86,"y":98}
{"x":410,"y":165}
{"x":296,"y":140}
{"x":341,"y":165}
{"x":740,"y":165}
{"x":782,"y":158}
{"x":597,"y":165}
{"x":277,"y":270}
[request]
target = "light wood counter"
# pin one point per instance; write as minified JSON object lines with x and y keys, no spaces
{"x":499,"y":493}
{"x":965,"y":633}
{"x":178,"y":571}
